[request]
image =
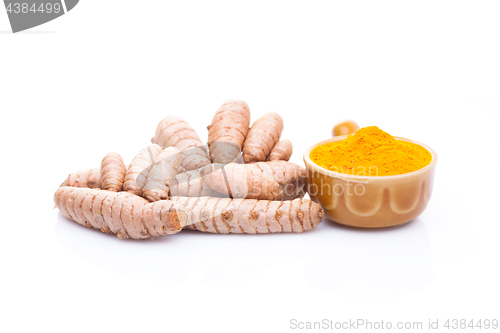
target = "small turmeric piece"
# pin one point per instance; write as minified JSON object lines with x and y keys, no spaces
{"x":162,"y":174}
{"x":175,"y":132}
{"x":345,"y":127}
{"x":282,"y":151}
{"x":122,"y":213}
{"x":113,"y":172}
{"x":139,"y":168}
{"x":262,"y":137}
{"x":371,"y":152}
{"x":250,"y":216}
{"x":228,"y":131}
{"x":90,"y":178}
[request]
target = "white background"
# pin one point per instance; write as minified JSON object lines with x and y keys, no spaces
{"x":100,"y":78}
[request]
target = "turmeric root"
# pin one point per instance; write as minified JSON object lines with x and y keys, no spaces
{"x":176,"y":132}
{"x":282,"y":151}
{"x":186,"y":184}
{"x":124,"y":214}
{"x":345,"y":127}
{"x":228,"y":131}
{"x":139,"y":168}
{"x":249,"y":216}
{"x":162,"y":174}
{"x":90,"y":178}
{"x":290,"y":176}
{"x":241,"y":181}
{"x":191,"y":184}
{"x":113,"y":172}
{"x":276,"y":180}
{"x":262,"y":136}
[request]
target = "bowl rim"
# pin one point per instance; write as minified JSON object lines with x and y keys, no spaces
{"x":310,"y":164}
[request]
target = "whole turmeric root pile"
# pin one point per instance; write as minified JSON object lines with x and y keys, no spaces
{"x":176,"y":183}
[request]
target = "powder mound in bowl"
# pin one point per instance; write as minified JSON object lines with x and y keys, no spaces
{"x":371,"y":152}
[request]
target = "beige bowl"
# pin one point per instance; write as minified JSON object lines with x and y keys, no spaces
{"x":370,"y":202}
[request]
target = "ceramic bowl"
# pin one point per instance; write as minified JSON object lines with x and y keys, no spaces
{"x":370,"y":201}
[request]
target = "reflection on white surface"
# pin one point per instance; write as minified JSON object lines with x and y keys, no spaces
{"x":337,"y":260}
{"x":372,"y":263}
{"x":158,"y":258}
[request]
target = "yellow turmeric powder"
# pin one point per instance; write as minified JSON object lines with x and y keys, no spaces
{"x":371,"y":152}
